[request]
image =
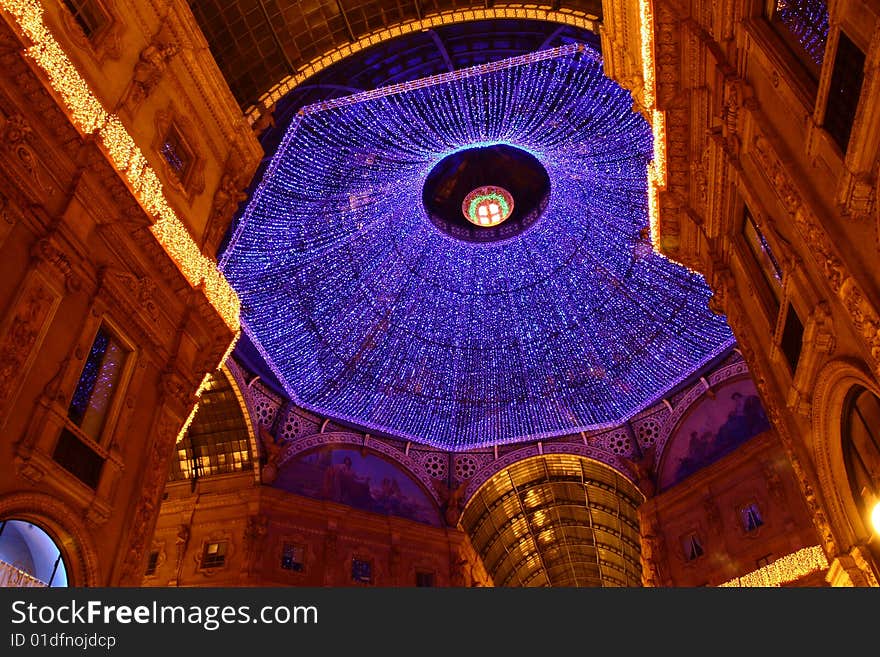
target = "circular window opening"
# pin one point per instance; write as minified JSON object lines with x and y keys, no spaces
{"x":487,"y":206}
{"x":470,"y":193}
{"x":29,"y":556}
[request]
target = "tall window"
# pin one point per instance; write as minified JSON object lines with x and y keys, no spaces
{"x":362,"y":571}
{"x":803,"y":25}
{"x":861,"y":447}
{"x":97,"y":383}
{"x":89,"y":15}
{"x":792,"y":338}
{"x":176,"y":153}
{"x":214,"y":555}
{"x":767,"y":262}
{"x":750,"y":517}
{"x":693,"y":547}
{"x":87,"y":414}
{"x":152,"y":563}
{"x":846,"y":87}
{"x":293,"y":557}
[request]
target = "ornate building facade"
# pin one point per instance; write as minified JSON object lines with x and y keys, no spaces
{"x":152,"y":442}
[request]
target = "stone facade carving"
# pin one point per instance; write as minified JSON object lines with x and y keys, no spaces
{"x":653,"y":552}
{"x":863,"y":314}
{"x":154,"y":478}
{"x":227,"y":198}
{"x":148,"y":71}
{"x":451,"y":500}
{"x":256,"y":530}
{"x":21,"y":333}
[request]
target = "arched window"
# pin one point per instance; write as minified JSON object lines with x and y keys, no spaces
{"x":861,"y":448}
{"x":29,"y":556}
{"x":217,"y":441}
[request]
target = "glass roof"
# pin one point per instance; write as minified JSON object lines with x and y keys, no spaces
{"x":557,"y":520}
{"x":217,"y":441}
{"x":368,"y":314}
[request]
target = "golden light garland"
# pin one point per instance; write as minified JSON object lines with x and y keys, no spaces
{"x":229,"y":349}
{"x":784,"y":570}
{"x":657,"y":167}
{"x":204,"y":386}
{"x":195,"y":409}
{"x":564,"y":16}
{"x":90,"y":117}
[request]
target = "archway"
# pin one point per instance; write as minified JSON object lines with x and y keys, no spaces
{"x":860,"y":443}
{"x":557,"y":520}
{"x":29,"y":557}
{"x":834,"y":385}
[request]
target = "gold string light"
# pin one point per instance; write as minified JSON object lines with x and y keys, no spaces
{"x":195,"y":409}
{"x":784,"y":570}
{"x":657,"y":167}
{"x":562,"y":15}
{"x":89,"y":116}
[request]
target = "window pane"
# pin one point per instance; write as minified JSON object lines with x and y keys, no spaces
{"x":764,"y":257}
{"x":864,"y":435}
{"x":361,"y":571}
{"x":79,"y":459}
{"x":792,"y":338}
{"x":88,"y":14}
{"x":215,"y":555}
{"x":292,"y":557}
{"x":176,"y":153}
{"x":94,"y":391}
{"x":846,"y":87}
{"x":217,"y":441}
{"x":751,"y":517}
{"x":807,"y":22}
{"x":152,"y":562}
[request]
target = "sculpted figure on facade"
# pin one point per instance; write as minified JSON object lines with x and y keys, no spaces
{"x":148,"y":71}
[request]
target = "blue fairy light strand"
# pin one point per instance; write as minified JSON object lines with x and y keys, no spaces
{"x":369,"y":314}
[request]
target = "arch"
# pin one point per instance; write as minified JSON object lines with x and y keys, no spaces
{"x":29,"y":556}
{"x":288,"y":83}
{"x":488,"y":471}
{"x":63,"y":526}
{"x":219,"y":422}
{"x":557,"y":519}
{"x":233,"y":375}
{"x":833,"y":385}
{"x":690,"y":399}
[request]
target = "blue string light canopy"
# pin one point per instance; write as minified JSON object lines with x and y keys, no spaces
{"x":371,"y":313}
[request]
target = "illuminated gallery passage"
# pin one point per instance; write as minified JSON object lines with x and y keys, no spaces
{"x":29,"y":556}
{"x":557,"y":520}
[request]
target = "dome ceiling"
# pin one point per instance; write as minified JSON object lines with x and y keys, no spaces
{"x":368,"y":313}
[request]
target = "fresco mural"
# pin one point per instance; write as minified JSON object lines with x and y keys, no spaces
{"x":713,"y":428}
{"x":362,"y":480}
